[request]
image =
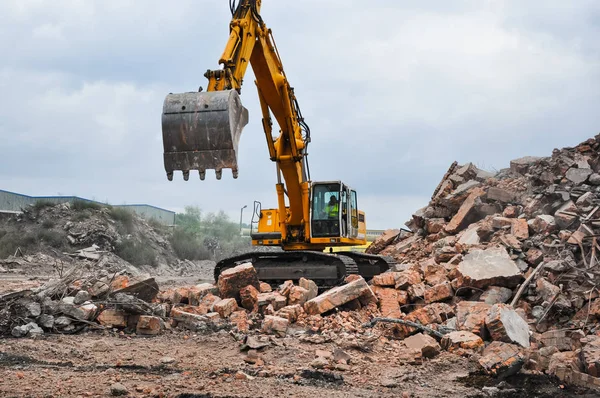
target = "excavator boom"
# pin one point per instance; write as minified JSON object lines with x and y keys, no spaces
{"x":201,"y":131}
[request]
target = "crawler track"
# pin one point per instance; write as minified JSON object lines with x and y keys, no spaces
{"x":326,"y":270}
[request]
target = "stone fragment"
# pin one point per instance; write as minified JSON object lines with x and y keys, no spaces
{"x":313,"y":290}
{"x":566,"y":359}
{"x":535,"y":257}
{"x":435,"y":274}
{"x":406,"y":278}
{"x":470,"y":236}
{"x":519,"y":228}
{"x":594,"y":179}
{"x":540,"y":359}
{"x":275,"y":325}
{"x":112,"y":318}
{"x":62,"y":322}
{"x":504,"y":324}
{"x":590,"y":356}
{"x":501,"y":222}
{"x":145,"y":290}
{"x":510,"y":212}
{"x":500,"y":195}
{"x":501,"y":359}
{"x":276,"y":300}
{"x":29,"y":330}
{"x":382,"y":241}
{"x":521,"y":165}
{"x":265,"y":287}
{"x":435,"y":225}
{"x":232,"y":280}
{"x":543,"y":224}
{"x":440,"y":292}
{"x":578,"y":176}
{"x":225,"y":307}
{"x":81,"y":297}
{"x":462,"y":340}
{"x":340,"y":356}
{"x":587,"y":199}
{"x":148,"y":325}
{"x":298,"y":295}
{"x":83,"y":312}
{"x":352,"y":278}
{"x":197,"y":292}
{"x":337,"y":296}
{"x":428,"y":346}
{"x":496,"y":294}
{"x":492,"y":266}
{"x":463,"y":216}
{"x":319,"y":363}
{"x":470,"y":316}
{"x":562,"y":339}
{"x":46,"y":321}
{"x":249,"y":298}
{"x":551,"y":293}
{"x":118,"y":389}
{"x":240,"y":320}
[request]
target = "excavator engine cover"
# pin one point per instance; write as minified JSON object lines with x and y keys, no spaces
{"x":201,"y":131}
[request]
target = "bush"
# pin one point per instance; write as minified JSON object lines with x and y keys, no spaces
{"x":136,"y":253}
{"x":52,"y":238}
{"x":124,"y":217}
{"x":42,"y":204}
{"x":79,"y":204}
{"x":187,"y":246}
{"x":10,"y":242}
{"x":48,"y":224}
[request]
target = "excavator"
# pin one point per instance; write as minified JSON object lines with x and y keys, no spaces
{"x":201,"y":131}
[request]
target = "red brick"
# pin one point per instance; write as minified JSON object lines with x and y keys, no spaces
{"x":500,"y":359}
{"x":459,"y":220}
{"x":112,"y":318}
{"x":388,"y":302}
{"x":337,"y":296}
{"x":520,"y":228}
{"x":275,"y":325}
{"x":470,"y":316}
{"x":462,"y":340}
{"x":249,"y":298}
{"x":407,"y":278}
{"x":440,"y":292}
{"x":225,"y":307}
{"x":232,"y":280}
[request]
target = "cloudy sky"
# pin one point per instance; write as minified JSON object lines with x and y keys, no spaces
{"x":393,"y":91}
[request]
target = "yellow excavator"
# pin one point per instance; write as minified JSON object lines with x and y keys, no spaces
{"x":201,"y":131}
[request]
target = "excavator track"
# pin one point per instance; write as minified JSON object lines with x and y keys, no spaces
{"x":370,"y":265}
{"x":326,"y":270}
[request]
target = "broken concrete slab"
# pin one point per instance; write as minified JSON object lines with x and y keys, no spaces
{"x":428,"y":346}
{"x":500,"y":195}
{"x":521,"y":165}
{"x":338,"y":296}
{"x":496,"y":294}
{"x":463,"y":216}
{"x":578,"y":176}
{"x":492,"y":266}
{"x":504,"y":324}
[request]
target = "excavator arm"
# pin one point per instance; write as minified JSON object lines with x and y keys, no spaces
{"x":201,"y":130}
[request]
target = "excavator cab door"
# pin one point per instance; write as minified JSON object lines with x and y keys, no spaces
{"x":325,"y":209}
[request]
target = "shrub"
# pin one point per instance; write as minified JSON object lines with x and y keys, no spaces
{"x":42,"y":204}
{"x":124,"y":217}
{"x":52,"y":238}
{"x":10,"y":242}
{"x":48,"y":224}
{"x":79,"y":205}
{"x":137,"y":253}
{"x":187,"y":246}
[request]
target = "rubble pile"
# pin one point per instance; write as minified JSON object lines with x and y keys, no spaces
{"x":54,"y":237}
{"x":513,"y":256}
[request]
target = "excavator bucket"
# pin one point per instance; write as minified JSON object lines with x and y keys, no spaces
{"x":201,"y":131}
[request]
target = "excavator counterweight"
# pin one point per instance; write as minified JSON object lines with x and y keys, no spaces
{"x":201,"y":131}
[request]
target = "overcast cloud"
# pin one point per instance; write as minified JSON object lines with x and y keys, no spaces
{"x":394,"y":91}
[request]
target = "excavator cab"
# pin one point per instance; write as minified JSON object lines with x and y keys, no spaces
{"x":334,"y":211}
{"x":201,"y":130}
